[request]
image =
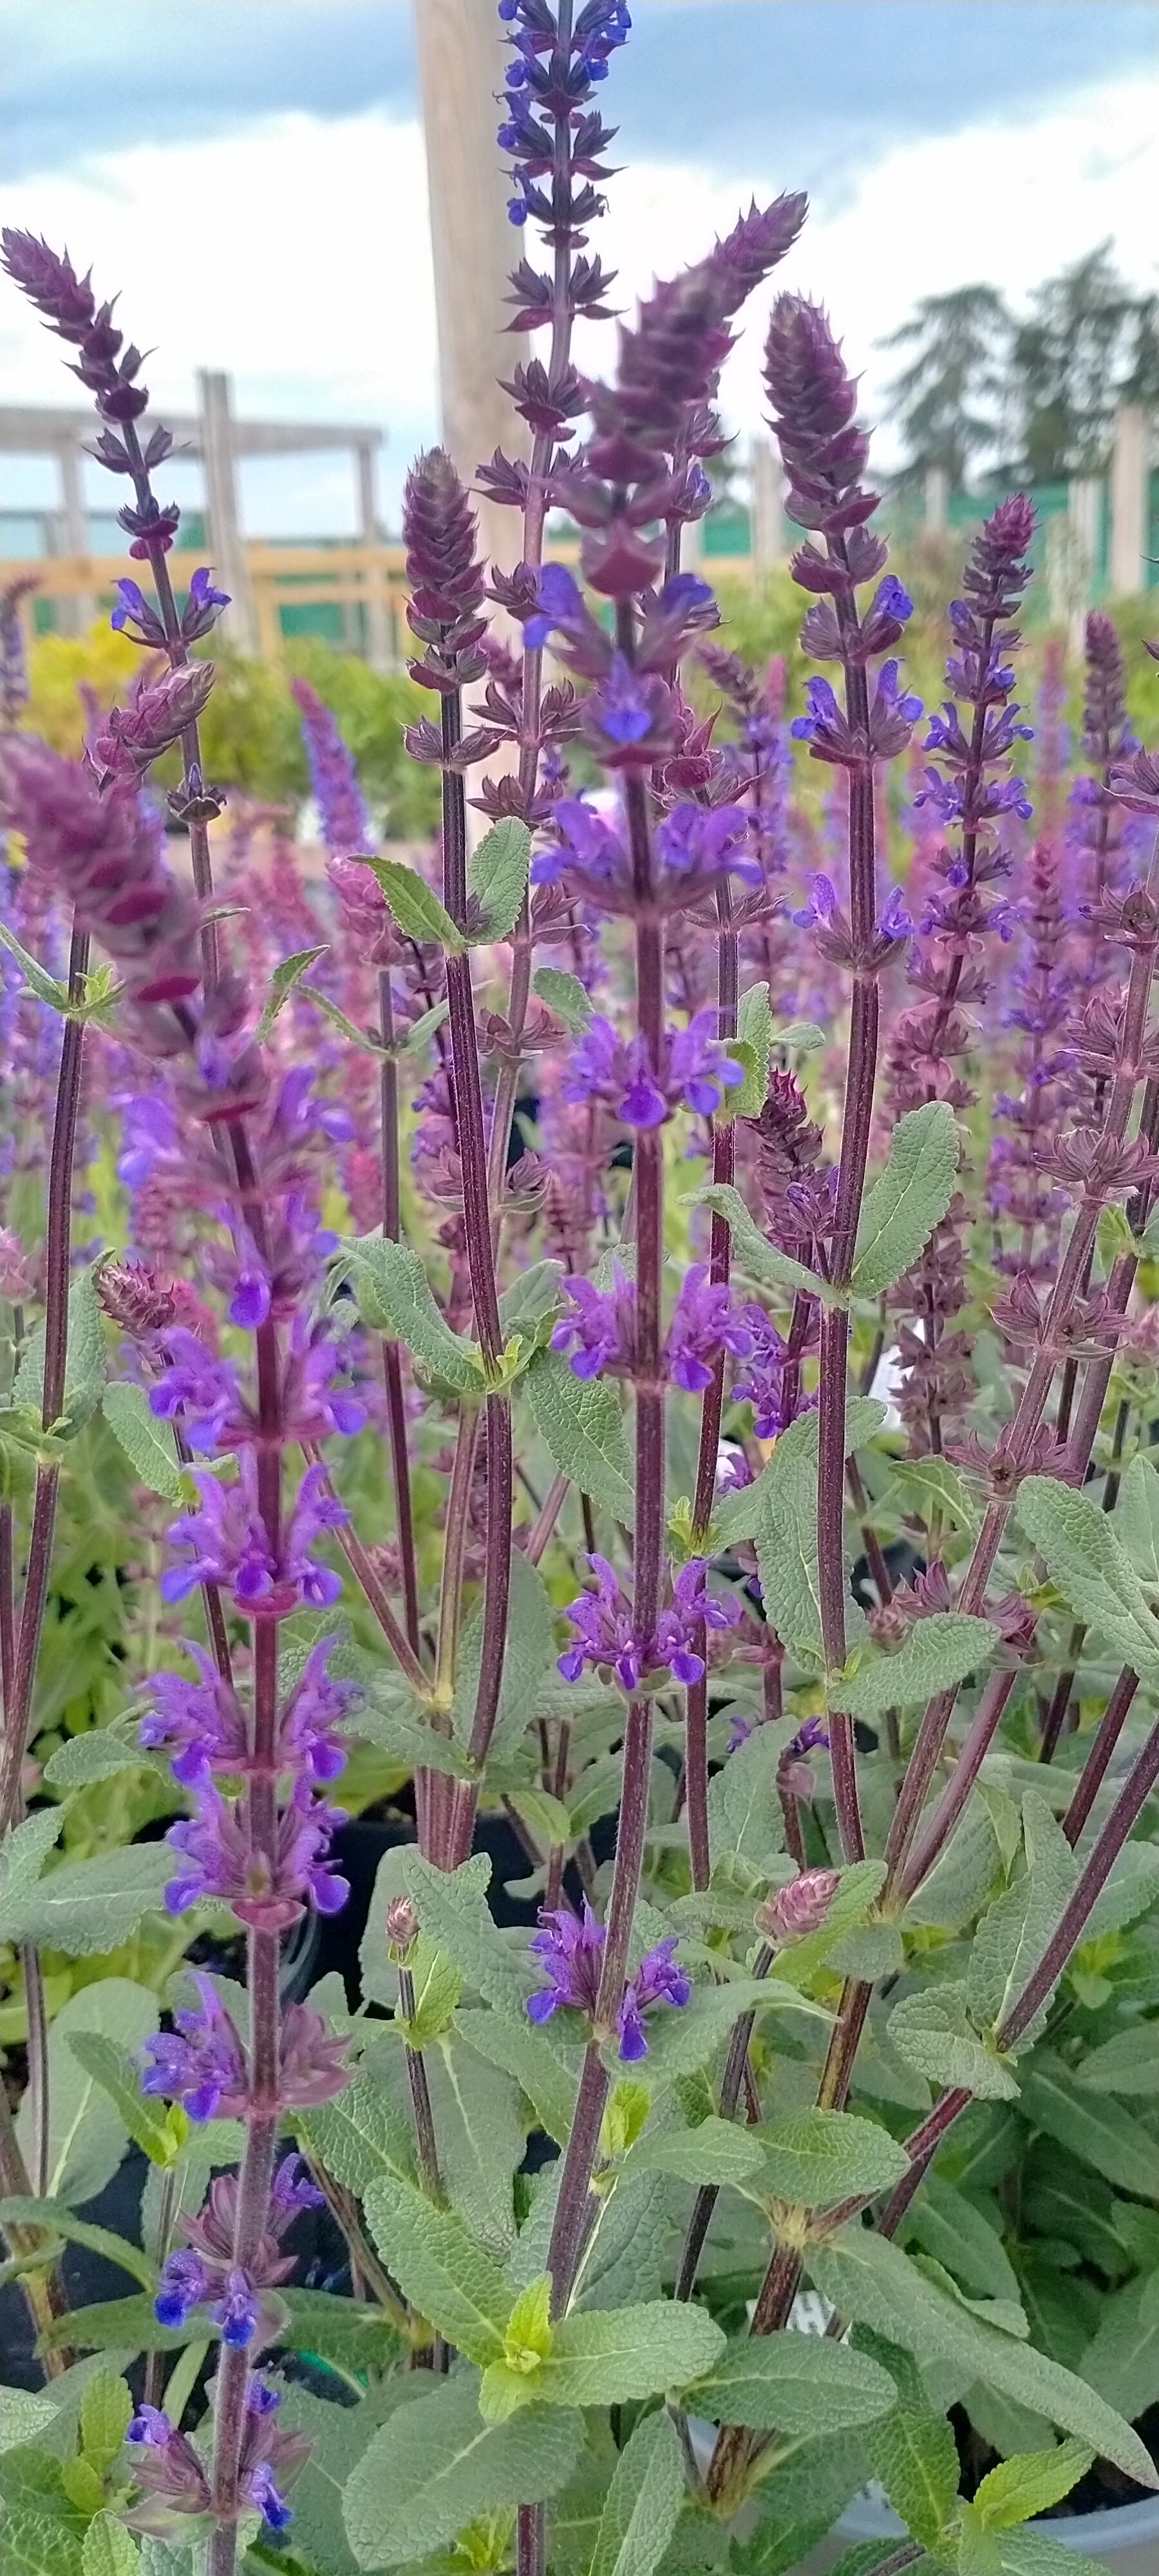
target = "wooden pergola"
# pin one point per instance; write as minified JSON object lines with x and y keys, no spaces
{"x":218,"y":439}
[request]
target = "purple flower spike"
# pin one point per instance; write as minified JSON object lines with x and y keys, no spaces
{"x":333,"y":777}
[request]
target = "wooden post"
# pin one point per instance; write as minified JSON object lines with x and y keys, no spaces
{"x":229,"y":561}
{"x":461,"y":64}
{"x":82,"y":607}
{"x":937,"y":496}
{"x":1130,"y":478}
{"x":378,"y":652}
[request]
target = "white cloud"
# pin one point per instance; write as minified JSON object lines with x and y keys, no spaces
{"x":296,"y":256}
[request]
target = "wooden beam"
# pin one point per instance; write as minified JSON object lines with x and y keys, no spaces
{"x":461,"y":61}
{"x":229,"y":561}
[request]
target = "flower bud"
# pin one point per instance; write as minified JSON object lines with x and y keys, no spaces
{"x":134,"y":1297}
{"x":800,"y":1907}
{"x":16,"y":1275}
{"x":402,"y":1923}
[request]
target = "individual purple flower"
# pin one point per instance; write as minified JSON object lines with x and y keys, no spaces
{"x":203,"y":606}
{"x":237,"y":2310}
{"x":333,"y":777}
{"x":700,"y":841}
{"x":201,"y":2062}
{"x":182,"y":2285}
{"x":197,"y":1391}
{"x":705,"y":1321}
{"x":691,"y":1607}
{"x":560,"y":604}
{"x":820,"y":906}
{"x":822,"y":714}
{"x":700,"y":1069}
{"x":134,"y":617}
{"x":761,"y":1381}
{"x":292,"y":2190}
{"x":623,"y":709}
{"x":307,"y":1733}
{"x":570,"y":1952}
{"x":586,"y":841}
{"x":261,"y":2491}
{"x":250,"y":1301}
{"x":600,"y":1332}
{"x":658,"y":1979}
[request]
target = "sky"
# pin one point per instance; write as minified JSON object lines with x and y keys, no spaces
{"x":250,"y":173}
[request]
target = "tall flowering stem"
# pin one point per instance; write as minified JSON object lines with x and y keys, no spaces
{"x":813,"y":403}
{"x":444,"y":612}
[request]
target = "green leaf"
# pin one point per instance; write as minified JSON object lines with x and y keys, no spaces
{"x":105,"y":2414}
{"x":947,"y":2224}
{"x":1122,"y":2359}
{"x":762,"y":1260}
{"x":393,"y":1295}
{"x":908,"y":1200}
{"x":391,"y":1717}
{"x":912,"y":2450}
{"x":138,"y":1433}
{"x":361,"y":2137}
{"x":43,"y":2530}
{"x":787,"y":1531}
{"x":481,"y":2140}
{"x":282,"y":983}
{"x":353,"y":2335}
{"x":56,"y":2219}
{"x":109,"y":2550}
{"x":604,"y":2356}
{"x":528,"y":1654}
{"x":819,"y":2157}
{"x":564,"y":996}
{"x":867,"y":2277}
{"x":418,"y":912}
{"x":338,"y":2437}
{"x":147,"y":2120}
{"x":718,"y":2151}
{"x":348,"y":1028}
{"x":98,"y":1754}
{"x":680,"y":2042}
{"x":497,"y":874}
{"x":89,"y":1906}
{"x":754,"y":1029}
{"x":932,"y":2032}
{"x":440,"y":2268}
{"x":86,"y":2136}
{"x":84,"y":1374}
{"x":745,"y":1819}
{"x":1100,"y":2132}
{"x":642,"y":2503}
{"x":961,"y":1878}
{"x":452,"y":1906}
{"x":533,"y":1296}
{"x":1012,"y":1935}
{"x":1137,"y":1519}
{"x":545,"y":2069}
{"x":799,"y":2503}
{"x":435,"y":2467}
{"x":46,"y":987}
{"x":124,"y":2326}
{"x":22,"y":1857}
{"x":582,"y":1421}
{"x":794,"y":2383}
{"x":1128,"y":2063}
{"x":1092,"y":1571}
{"x":1030,"y":2483}
{"x":929,"y":1485}
{"x":416,"y":1036}
{"x":24,"y":2412}
{"x":937,"y":1653}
